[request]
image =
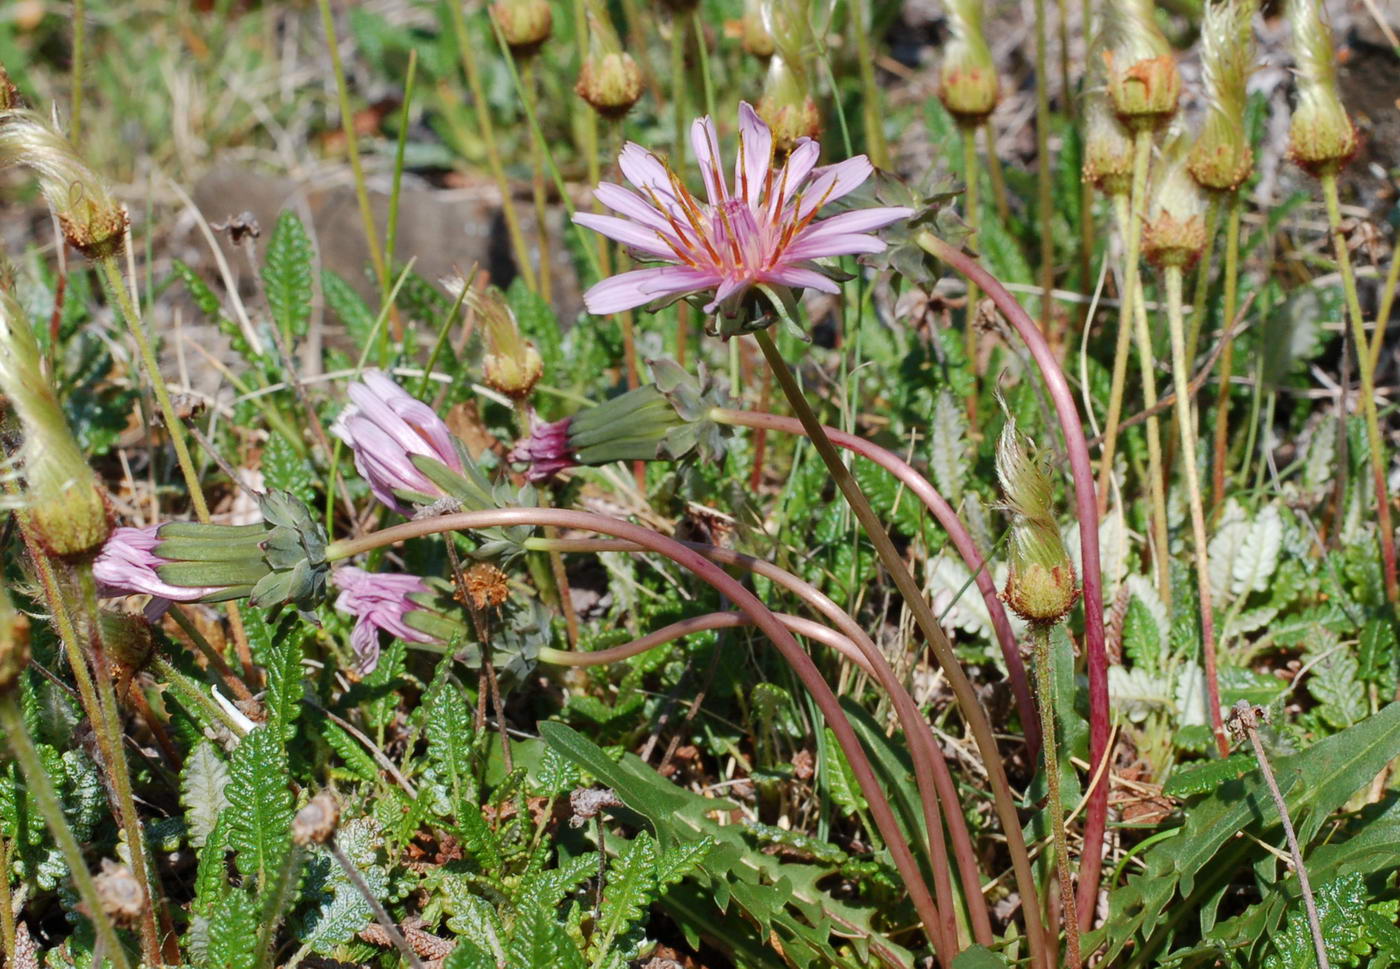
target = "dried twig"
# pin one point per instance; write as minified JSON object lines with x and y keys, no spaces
{"x":1245,"y":720}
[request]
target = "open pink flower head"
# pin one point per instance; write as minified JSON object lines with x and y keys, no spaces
{"x":377,"y":600}
{"x":763,"y":232}
{"x":385,"y":426}
{"x":127,"y":566}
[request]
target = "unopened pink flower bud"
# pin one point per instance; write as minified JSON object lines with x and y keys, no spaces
{"x":386,"y":428}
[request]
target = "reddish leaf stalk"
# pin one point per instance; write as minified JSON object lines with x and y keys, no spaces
{"x":948,"y":519}
{"x":927,"y":755}
{"x":749,"y":604}
{"x":1086,"y":506}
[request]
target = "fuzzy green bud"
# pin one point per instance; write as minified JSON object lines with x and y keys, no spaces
{"x":968,"y":84}
{"x":92,"y":220}
{"x":1321,"y":136}
{"x":1108,"y":149}
{"x":511,"y":365}
{"x":754,"y":35}
{"x":61,"y":496}
{"x":1143,"y":80}
{"x":611,"y":83}
{"x":787,"y":107}
{"x":1175,"y":233}
{"x":525,"y":25}
{"x":1042,"y":587}
{"x":1221,"y":158}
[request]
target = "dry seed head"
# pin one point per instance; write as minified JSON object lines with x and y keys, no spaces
{"x":1221,"y":158}
{"x":968,"y":84}
{"x":787,"y":107}
{"x":316,"y":823}
{"x":119,"y":893}
{"x":1143,"y":80}
{"x":525,"y":24}
{"x":487,"y":585}
{"x":1041,"y":587}
{"x":61,"y":493}
{"x":92,"y":220}
{"x":1321,"y":136}
{"x":1175,"y":233}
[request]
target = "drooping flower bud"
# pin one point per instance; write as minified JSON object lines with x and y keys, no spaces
{"x":787,"y":106}
{"x":1143,"y":79}
{"x":1321,"y":136}
{"x":666,"y":420}
{"x":119,"y":893}
{"x":968,"y":84}
{"x":1221,"y":158}
{"x":14,"y":641}
{"x":127,"y":641}
{"x":610,"y":79}
{"x":92,"y":220}
{"x":525,"y":24}
{"x":512,"y":365}
{"x":1041,"y":587}
{"x":275,"y":562}
{"x":1175,"y":233}
{"x":384,"y":601}
{"x":61,"y":496}
{"x":386,"y":427}
{"x":317,"y":821}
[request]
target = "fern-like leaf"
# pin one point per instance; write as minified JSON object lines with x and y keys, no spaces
{"x":260,"y":805}
{"x":286,"y":275}
{"x":202,"y":784}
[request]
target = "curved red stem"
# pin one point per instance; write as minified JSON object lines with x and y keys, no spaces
{"x":948,"y":519}
{"x":723,"y":583}
{"x":1086,"y":506}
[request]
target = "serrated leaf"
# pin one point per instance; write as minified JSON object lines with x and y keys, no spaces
{"x":260,"y":805}
{"x":631,"y":887}
{"x":202,"y":784}
{"x":1136,"y":693}
{"x":1256,"y":556}
{"x":286,"y":275}
{"x":233,"y":932}
{"x":1334,"y":683}
{"x":284,"y":679}
{"x":355,"y":758}
{"x":286,"y":469}
{"x":840,"y":779}
{"x":537,"y":939}
{"x":450,"y":737}
{"x":1198,"y":778}
{"x":344,"y":302}
{"x":948,"y":449}
{"x":1341,"y":911}
{"x":1146,"y":626}
{"x":1207,"y":853}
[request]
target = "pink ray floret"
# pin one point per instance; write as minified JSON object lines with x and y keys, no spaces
{"x":127,"y":566}
{"x":378,"y":600}
{"x":385,"y":427}
{"x":761,"y":231}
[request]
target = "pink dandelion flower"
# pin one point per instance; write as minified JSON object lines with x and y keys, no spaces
{"x":386,"y":427}
{"x":378,"y":601}
{"x":762,"y":233}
